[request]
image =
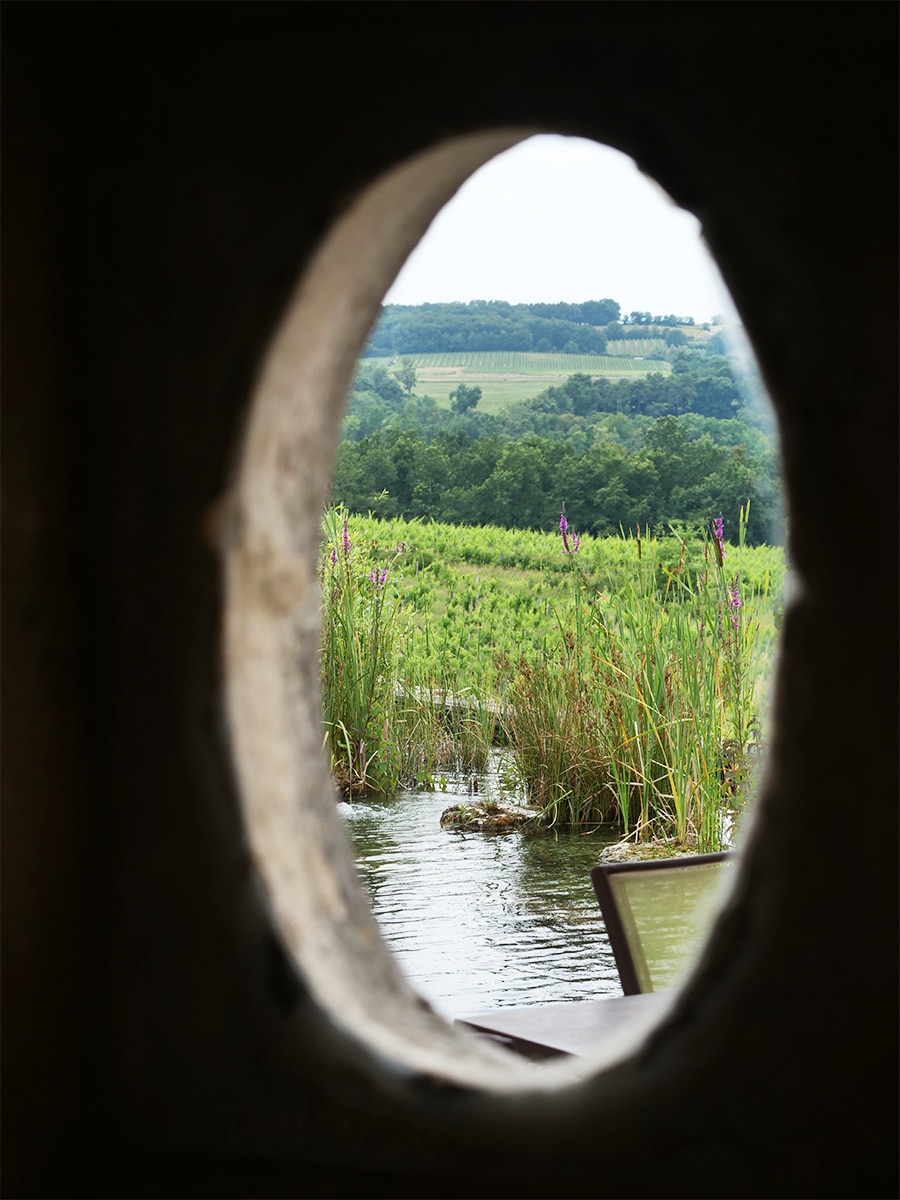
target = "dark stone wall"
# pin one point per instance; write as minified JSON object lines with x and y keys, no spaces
{"x":169,"y":170}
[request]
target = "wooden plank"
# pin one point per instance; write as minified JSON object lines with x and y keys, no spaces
{"x":578,"y":1028}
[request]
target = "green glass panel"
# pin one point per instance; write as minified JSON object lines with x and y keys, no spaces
{"x":667,"y":915}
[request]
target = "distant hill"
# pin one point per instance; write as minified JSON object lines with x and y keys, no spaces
{"x":503,"y":437}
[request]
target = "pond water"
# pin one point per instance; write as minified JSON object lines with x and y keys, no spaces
{"x":479,"y":921}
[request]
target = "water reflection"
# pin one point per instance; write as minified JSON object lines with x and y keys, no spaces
{"x":479,"y":921}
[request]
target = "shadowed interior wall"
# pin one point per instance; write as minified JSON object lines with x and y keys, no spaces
{"x":169,"y":172}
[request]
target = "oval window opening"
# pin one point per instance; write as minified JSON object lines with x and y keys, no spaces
{"x":646,"y":412}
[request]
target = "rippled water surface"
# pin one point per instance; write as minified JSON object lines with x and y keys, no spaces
{"x":479,"y":921}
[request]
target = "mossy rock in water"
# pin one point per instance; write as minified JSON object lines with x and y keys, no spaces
{"x":639,"y":851}
{"x":483,"y":818}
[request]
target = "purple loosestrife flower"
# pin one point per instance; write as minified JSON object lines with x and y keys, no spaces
{"x":377,"y":577}
{"x":734,"y":599}
{"x":564,"y":529}
{"x":719,"y":535}
{"x":569,"y":546}
{"x":332,"y":557}
{"x":400,"y":548}
{"x":345,"y":538}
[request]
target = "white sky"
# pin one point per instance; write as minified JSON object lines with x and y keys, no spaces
{"x":560,"y":218}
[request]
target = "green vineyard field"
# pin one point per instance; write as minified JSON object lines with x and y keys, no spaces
{"x":518,"y":362}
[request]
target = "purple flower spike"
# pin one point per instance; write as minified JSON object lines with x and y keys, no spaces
{"x":719,"y":535}
{"x":377,"y":577}
{"x":400,"y":548}
{"x":564,"y":530}
{"x":332,"y":557}
{"x":734,"y":599}
{"x":346,"y":537}
{"x":576,"y":543}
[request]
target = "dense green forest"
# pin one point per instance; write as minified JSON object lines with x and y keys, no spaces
{"x":674,"y":448}
{"x":498,"y":325}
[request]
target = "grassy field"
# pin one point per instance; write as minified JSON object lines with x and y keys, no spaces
{"x":506,"y":376}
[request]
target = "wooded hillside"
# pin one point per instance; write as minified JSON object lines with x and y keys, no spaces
{"x":680,"y":445}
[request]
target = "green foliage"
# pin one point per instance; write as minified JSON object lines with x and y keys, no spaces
{"x":407,"y":374}
{"x":463,"y":398}
{"x":491,"y":325}
{"x":628,"y":470}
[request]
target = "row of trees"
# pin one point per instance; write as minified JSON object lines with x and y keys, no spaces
{"x":708,"y":388}
{"x":423,"y":415}
{"x":645,"y":318}
{"x":673,"y":337}
{"x":492,"y":325}
{"x":498,"y":325}
{"x":589,"y":312}
{"x":667,"y":478}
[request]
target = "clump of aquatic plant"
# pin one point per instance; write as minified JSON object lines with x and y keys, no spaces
{"x":457,"y":726}
{"x":389,"y":723}
{"x":643,"y":709}
{"x":360,"y":645}
{"x":736,"y":639}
